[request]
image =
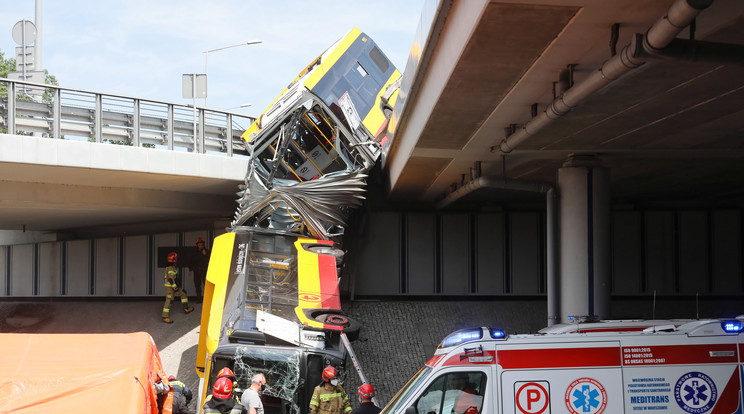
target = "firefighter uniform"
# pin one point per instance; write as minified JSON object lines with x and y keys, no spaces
{"x":329,"y":399}
{"x":171,"y":290}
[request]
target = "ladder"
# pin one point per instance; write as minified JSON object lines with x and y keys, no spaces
{"x":354,"y":360}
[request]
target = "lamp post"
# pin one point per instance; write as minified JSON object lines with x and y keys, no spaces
{"x":206,"y":58}
{"x":237,"y":107}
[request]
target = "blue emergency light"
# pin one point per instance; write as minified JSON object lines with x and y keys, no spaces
{"x":461,"y":336}
{"x":497,"y":333}
{"x":732,"y":326}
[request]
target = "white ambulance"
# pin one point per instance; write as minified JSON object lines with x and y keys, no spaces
{"x":696,"y":367}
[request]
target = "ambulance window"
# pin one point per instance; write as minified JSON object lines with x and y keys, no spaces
{"x":453,"y":393}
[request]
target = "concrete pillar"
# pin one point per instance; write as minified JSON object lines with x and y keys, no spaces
{"x":584,"y":218}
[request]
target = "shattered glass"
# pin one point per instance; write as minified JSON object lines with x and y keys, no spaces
{"x":281,"y":369}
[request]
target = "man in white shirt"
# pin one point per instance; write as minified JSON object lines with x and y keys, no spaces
{"x":250,"y":398}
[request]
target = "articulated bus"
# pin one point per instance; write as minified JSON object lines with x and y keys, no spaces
{"x":271,"y":298}
{"x":311,"y":149}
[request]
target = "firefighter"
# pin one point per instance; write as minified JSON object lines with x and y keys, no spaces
{"x":329,"y":397}
{"x":226,"y":373}
{"x":181,"y":395}
{"x":366,"y":392}
{"x":172,"y":289}
{"x":222,"y":401}
{"x":198,"y":266}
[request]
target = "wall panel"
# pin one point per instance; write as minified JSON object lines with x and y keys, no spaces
{"x":490,"y":253}
{"x":525,"y":253}
{"x":22,"y":270}
{"x":4,"y":264}
{"x":455,"y":247}
{"x":626,"y":252}
{"x":78,"y":267}
{"x":135,"y":266}
{"x":660,"y":246}
{"x":106,"y":267}
{"x":693,"y":271}
{"x":50,"y":269}
{"x":377,"y":263}
{"x":420,"y":253}
{"x":726,"y":248}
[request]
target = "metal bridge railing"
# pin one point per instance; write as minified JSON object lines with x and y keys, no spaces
{"x":56,"y":112}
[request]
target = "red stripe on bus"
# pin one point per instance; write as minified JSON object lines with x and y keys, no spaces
{"x":559,"y":358}
{"x":679,"y":354}
{"x":328,"y":282}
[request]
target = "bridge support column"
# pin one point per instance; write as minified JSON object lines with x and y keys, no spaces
{"x":584,"y":219}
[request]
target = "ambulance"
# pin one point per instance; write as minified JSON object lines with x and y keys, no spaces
{"x":696,"y":367}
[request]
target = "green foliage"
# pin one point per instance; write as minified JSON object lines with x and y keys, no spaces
{"x":9,"y":65}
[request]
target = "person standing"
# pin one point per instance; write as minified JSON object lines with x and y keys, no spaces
{"x":198,"y":266}
{"x":366,"y":392}
{"x":250,"y":398}
{"x":329,"y":397}
{"x":172,"y":289}
{"x":222,"y":401}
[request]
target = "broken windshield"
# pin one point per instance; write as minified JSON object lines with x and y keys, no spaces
{"x":280,"y":367}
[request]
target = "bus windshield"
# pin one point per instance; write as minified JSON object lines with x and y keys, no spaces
{"x":281,"y":367}
{"x":402,"y":395}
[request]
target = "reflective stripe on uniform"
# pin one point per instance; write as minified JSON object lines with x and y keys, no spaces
{"x":326,"y":397}
{"x":166,"y":310}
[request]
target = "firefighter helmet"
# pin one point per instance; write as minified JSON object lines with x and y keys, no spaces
{"x":329,"y":373}
{"x":226,"y":372}
{"x":199,"y":240}
{"x":222,"y":388}
{"x":171,"y":378}
{"x":172,"y":257}
{"x":366,"y":391}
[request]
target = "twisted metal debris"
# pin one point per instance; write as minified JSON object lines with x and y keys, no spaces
{"x":307,"y":170}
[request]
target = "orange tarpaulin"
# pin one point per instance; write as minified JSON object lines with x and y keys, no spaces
{"x":60,"y":373}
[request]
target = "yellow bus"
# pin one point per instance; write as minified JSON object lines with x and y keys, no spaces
{"x":352,"y":66}
{"x":311,"y":149}
{"x":272,"y":306}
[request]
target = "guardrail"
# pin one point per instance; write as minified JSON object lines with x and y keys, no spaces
{"x":56,"y":112}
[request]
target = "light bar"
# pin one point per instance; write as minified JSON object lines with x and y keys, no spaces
{"x":461,"y":336}
{"x":732,"y":326}
{"x":497,"y":333}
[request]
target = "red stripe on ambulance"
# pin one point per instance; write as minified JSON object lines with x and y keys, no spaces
{"x":559,"y":358}
{"x":680,"y":354}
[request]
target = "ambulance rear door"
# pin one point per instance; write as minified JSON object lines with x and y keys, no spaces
{"x":582,"y":377}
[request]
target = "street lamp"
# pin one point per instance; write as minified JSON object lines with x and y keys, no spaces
{"x":236,"y":107}
{"x":206,"y":58}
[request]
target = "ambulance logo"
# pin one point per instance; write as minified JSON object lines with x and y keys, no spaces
{"x":586,"y":395}
{"x":695,"y":392}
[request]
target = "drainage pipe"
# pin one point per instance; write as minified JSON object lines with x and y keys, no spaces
{"x":659,"y":35}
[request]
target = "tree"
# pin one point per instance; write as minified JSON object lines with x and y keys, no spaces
{"x":8,"y":65}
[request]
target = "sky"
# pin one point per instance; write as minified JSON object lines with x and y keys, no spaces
{"x":141,"y":48}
